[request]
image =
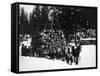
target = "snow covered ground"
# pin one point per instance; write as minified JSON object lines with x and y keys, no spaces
{"x":87,"y":59}
{"x":88,"y":39}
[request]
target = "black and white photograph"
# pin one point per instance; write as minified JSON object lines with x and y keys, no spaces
{"x":53,"y":37}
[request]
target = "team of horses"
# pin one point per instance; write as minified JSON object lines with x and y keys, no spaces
{"x":70,"y":54}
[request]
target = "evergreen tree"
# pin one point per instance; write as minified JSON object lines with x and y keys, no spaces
{"x":35,"y":20}
{"x":23,"y":22}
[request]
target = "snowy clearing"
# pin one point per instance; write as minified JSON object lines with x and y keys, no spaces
{"x":88,"y":39}
{"x":87,"y":59}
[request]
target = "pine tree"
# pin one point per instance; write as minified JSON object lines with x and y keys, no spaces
{"x":23,"y":22}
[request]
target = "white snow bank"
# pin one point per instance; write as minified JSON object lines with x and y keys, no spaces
{"x":87,"y":59}
{"x":88,"y":39}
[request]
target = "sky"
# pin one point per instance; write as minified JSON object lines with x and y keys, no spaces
{"x":27,"y":8}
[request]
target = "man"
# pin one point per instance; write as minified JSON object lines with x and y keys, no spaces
{"x":76,"y":52}
{"x":69,"y":55}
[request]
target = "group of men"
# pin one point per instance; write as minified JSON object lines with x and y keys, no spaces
{"x":70,"y":54}
{"x":73,"y":53}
